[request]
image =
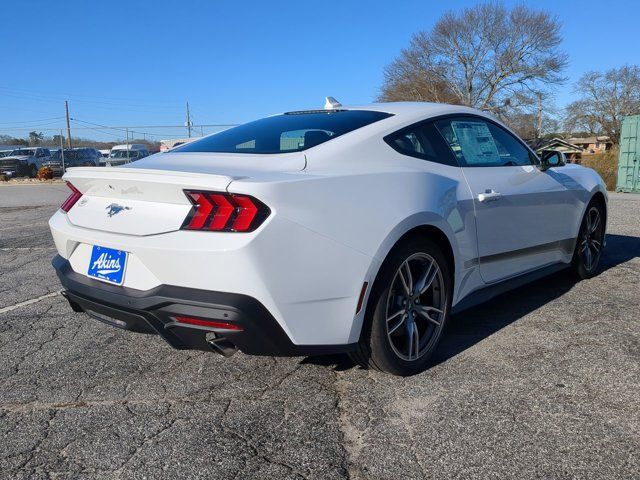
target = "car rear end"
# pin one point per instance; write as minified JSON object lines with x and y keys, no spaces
{"x":130,"y":253}
{"x":205,"y":265}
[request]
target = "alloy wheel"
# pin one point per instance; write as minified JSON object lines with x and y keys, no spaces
{"x":591,"y":239}
{"x":415,"y":307}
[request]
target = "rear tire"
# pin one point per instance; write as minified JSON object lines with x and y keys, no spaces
{"x":407,"y":310}
{"x":33,"y":171}
{"x":586,"y":256}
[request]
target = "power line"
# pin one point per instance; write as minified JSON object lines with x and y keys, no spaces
{"x":122,"y":129}
{"x":26,"y":94}
{"x":119,"y":128}
{"x":66,"y":95}
{"x":31,"y":121}
{"x":31,"y":127}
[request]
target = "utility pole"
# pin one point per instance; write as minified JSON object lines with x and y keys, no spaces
{"x":62,"y":152}
{"x":66,"y":108}
{"x":188,"y":120}
{"x":128,"y":144}
{"x":539,"y":114}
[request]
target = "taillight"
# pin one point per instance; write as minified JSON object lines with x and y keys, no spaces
{"x":73,"y":198}
{"x":224,"y":212}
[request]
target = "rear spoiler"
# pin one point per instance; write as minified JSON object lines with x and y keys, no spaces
{"x":143,"y":184}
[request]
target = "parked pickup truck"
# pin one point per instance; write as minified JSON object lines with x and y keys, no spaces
{"x":76,"y":157}
{"x":24,"y":162}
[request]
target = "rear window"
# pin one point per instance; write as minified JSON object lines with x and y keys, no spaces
{"x":289,"y":132}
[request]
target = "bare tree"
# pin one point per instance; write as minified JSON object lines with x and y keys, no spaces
{"x":605,"y":97}
{"x":487,"y":57}
{"x":35,"y":138}
{"x":526,"y":124}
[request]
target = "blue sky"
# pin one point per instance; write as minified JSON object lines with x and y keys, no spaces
{"x":138,"y":62}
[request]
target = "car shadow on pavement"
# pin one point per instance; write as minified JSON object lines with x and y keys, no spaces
{"x":467,"y":328}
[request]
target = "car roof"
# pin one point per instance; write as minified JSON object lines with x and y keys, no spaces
{"x":406,"y":113}
{"x":403,"y":114}
{"x":408,"y":110}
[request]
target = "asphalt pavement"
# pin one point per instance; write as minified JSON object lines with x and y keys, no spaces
{"x":542,"y":382}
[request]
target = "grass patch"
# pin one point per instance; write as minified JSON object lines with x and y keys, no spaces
{"x":606,"y":164}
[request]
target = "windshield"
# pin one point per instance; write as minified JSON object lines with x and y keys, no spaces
{"x":124,"y":154}
{"x":24,"y":151}
{"x":290,"y":132}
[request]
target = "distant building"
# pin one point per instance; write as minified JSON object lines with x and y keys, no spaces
{"x":592,"y":145}
{"x":571,"y":151}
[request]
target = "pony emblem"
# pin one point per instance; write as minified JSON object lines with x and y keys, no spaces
{"x":115,"y":209}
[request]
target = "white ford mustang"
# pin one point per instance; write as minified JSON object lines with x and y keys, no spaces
{"x":353,"y":230}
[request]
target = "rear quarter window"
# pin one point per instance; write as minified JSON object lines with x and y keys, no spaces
{"x":423,"y":141}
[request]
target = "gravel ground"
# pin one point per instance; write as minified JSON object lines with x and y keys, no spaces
{"x":540,"y":383}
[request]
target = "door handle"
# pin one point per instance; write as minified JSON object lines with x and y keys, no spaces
{"x":489,"y":195}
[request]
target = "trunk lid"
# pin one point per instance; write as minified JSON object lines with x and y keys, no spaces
{"x":147,"y":197}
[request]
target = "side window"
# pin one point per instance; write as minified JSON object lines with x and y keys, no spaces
{"x":478,"y":143}
{"x":421,"y":141}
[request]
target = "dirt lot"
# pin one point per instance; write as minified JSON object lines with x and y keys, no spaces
{"x":543,"y":382}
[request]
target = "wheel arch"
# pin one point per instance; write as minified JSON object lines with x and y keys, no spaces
{"x":599,"y":197}
{"x":437,"y":236}
{"x":435,"y":229}
{"x":595,"y":195}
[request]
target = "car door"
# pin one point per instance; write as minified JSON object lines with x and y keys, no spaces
{"x":443,"y":191}
{"x":83,"y":157}
{"x":524,"y":216}
{"x":39,"y":157}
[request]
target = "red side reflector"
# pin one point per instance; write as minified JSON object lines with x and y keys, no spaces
{"x":73,"y":198}
{"x":208,"y":323}
{"x":363,"y":292}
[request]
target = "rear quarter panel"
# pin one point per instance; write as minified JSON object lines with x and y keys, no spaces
{"x":366,"y":199}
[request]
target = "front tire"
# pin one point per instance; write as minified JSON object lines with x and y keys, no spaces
{"x":407,"y":310}
{"x":586,"y":256}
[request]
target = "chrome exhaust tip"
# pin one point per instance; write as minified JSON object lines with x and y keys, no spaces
{"x":221,"y":345}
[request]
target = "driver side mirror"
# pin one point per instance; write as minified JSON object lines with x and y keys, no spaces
{"x":552,"y":158}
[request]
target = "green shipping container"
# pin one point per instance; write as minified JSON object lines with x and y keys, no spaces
{"x":629,"y":158}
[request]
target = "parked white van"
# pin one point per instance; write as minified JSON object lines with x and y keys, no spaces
{"x":121,"y":154}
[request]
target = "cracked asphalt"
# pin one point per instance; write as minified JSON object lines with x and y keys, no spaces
{"x":543,"y":382}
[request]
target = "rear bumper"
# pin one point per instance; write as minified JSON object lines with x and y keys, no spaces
{"x":154,"y":311}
